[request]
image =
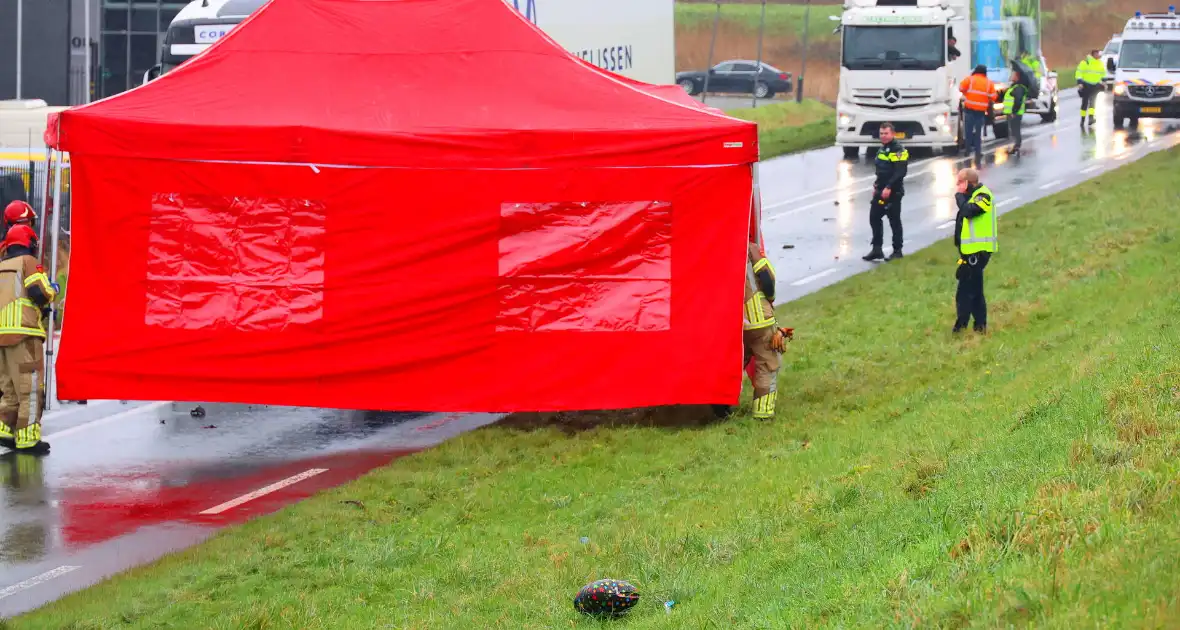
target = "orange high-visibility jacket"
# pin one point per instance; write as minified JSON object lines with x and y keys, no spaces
{"x":978,"y":92}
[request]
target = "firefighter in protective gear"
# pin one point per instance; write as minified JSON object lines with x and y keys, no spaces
{"x":25,"y":296}
{"x":978,"y":95}
{"x":18,"y":213}
{"x":762,"y":337}
{"x":976,"y":236}
{"x":1089,"y":75}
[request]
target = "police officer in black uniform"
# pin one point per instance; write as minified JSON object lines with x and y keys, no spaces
{"x":892,"y":162}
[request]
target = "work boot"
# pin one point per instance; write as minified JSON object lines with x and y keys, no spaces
{"x":7,"y":439}
{"x":40,"y":448}
{"x":981,"y":329}
{"x":876,"y":254}
{"x":28,"y":440}
{"x":958,"y":329}
{"x":978,"y":159}
{"x":895,"y":255}
{"x":1092,"y":121}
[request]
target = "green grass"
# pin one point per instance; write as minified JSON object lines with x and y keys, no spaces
{"x":791,"y":127}
{"x":911,"y":478}
{"x":779,"y":17}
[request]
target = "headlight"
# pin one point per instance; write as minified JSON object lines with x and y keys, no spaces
{"x":1120,"y":89}
{"x":845,"y":120}
{"x":940,"y":120}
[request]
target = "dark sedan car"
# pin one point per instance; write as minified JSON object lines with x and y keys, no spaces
{"x":737,"y":76}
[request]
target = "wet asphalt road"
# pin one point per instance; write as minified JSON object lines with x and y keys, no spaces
{"x":126,"y":484}
{"x":824,"y":221}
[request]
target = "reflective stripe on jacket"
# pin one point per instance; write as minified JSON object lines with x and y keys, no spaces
{"x":978,"y":92}
{"x":1090,"y":71}
{"x":757,"y":311}
{"x":1010,"y":99}
{"x":980,"y":234}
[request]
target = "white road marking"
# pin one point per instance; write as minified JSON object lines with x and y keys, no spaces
{"x":103,"y":421}
{"x":815,"y":204}
{"x":1091,"y":169}
{"x":246,"y":498}
{"x":814,"y":277}
{"x":1050,"y":184}
{"x":34,"y":581}
{"x":1007,"y":202}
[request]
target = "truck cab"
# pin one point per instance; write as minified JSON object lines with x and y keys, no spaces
{"x":1148,"y":69}
{"x":896,"y":65}
{"x":199,"y":25}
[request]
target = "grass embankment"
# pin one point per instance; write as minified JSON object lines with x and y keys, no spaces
{"x":911,"y":478}
{"x":791,"y":127}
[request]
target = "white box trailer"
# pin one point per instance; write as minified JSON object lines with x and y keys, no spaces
{"x":634,"y":38}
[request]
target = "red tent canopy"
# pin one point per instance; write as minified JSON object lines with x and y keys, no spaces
{"x":404,"y":204}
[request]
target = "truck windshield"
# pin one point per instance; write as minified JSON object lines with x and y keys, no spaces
{"x":1150,"y":54}
{"x":894,"y":47}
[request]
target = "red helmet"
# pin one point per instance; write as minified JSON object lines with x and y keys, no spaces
{"x":17,"y":212}
{"x":20,"y":235}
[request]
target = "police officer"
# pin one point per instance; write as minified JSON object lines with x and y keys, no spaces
{"x":25,"y":296}
{"x":761,"y":336}
{"x":1089,"y":74}
{"x":976,"y":232}
{"x":889,"y":188}
{"x":1014,"y":102}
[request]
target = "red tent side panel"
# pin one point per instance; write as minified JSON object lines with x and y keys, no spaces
{"x":448,"y":290}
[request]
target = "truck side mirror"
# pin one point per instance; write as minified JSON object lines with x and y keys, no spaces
{"x":1110,"y":64}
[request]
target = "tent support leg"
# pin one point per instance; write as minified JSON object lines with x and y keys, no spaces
{"x":50,"y":341}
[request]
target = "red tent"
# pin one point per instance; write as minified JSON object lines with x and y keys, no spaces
{"x":403,"y":204}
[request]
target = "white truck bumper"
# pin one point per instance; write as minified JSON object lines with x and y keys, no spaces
{"x":930,"y":126}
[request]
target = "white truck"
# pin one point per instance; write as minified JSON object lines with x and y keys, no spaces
{"x":897,"y":66}
{"x":1148,"y":72}
{"x":634,"y":38}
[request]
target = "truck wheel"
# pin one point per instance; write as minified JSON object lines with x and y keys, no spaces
{"x":1051,"y":116}
{"x":1118,"y":119}
{"x":851,"y":153}
{"x":1134,"y":122}
{"x":1000,"y":131}
{"x":951,"y":150}
{"x":721,"y":411}
{"x":689,"y":86}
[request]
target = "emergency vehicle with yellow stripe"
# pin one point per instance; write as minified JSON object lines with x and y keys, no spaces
{"x":1147,"y":79}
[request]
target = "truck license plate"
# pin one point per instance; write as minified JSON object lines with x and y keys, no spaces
{"x":1149,"y":110}
{"x":900,"y":134}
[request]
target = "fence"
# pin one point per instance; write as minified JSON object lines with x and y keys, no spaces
{"x":30,"y":181}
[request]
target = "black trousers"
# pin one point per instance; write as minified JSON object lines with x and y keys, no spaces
{"x":1089,"y":94}
{"x":886,"y":208}
{"x":969,"y":299}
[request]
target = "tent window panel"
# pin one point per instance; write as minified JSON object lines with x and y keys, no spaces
{"x":585,"y":266}
{"x":234,"y":263}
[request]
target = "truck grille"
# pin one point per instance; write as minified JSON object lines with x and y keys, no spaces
{"x":910,"y":128}
{"x":898,"y":97}
{"x":1150,"y":91}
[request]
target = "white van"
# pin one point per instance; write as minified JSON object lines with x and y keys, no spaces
{"x":1148,"y":72}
